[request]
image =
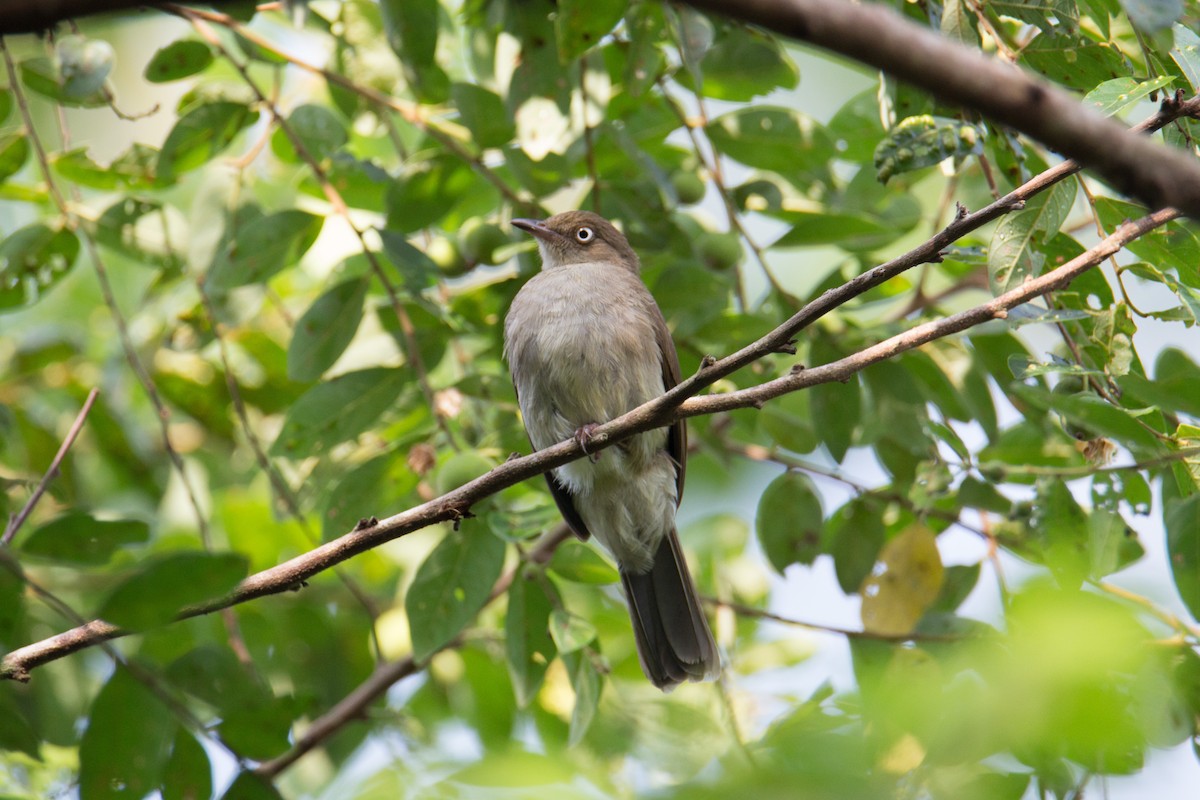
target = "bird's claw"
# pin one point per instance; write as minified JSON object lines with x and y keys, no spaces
{"x":585,"y":434}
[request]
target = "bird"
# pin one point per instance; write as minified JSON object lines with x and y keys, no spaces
{"x":585,"y":343}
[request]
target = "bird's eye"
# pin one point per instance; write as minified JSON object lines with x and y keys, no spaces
{"x":585,"y":234}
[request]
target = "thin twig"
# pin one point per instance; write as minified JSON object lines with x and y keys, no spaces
{"x":15,"y":522}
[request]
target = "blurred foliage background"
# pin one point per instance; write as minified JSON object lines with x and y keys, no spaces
{"x":278,"y":247}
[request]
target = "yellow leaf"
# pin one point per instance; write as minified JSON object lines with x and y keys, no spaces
{"x":905,"y":582}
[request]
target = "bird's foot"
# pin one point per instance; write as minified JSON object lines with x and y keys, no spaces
{"x":585,"y":434}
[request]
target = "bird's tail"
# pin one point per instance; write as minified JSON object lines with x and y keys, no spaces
{"x":674,"y":642}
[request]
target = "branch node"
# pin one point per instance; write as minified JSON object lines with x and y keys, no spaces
{"x":366,"y":523}
{"x":706,"y":362}
{"x":788,"y":348}
{"x":1000,"y":313}
{"x":797,"y":369}
{"x":298,"y":585}
{"x":960,"y":211}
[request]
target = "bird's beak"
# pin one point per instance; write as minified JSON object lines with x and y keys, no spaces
{"x":537,"y":228}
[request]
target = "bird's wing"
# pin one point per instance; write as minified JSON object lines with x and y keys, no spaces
{"x":677,"y":433}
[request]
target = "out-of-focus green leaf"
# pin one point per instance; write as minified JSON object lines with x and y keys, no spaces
{"x":483,"y":112}
{"x":425,"y":194}
{"x":586,"y":682}
{"x":14,"y":150}
{"x":836,"y":407}
{"x":958,"y":22}
{"x":579,"y":25}
{"x":855,"y":533}
{"x":16,"y":734}
{"x":527,"y":634}
{"x":263,"y":247}
{"x":788,"y":421}
{"x":326,"y":328}
{"x":180,"y":59}
{"x":200,"y":134}
{"x":188,"y":773}
{"x":1152,"y":16}
{"x":894,"y":599}
{"x":772,"y":138}
{"x":377,"y":486}
{"x":1182,"y":520}
{"x":132,"y":169}
{"x":580,"y":563}
{"x":320,"y":131}
{"x":163,"y":586}
{"x":127,"y":743}
{"x":1048,"y":15}
{"x":248,"y":786}
{"x":79,"y":538}
{"x":958,"y":581}
{"x":450,"y":587}
{"x":412,"y":28}
{"x":743,"y":64}
{"x":789,"y":521}
{"x":569,"y":631}
{"x":32,"y":260}
{"x":337,"y":410}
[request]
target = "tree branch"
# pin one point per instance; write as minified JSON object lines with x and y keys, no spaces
{"x":869,"y":33}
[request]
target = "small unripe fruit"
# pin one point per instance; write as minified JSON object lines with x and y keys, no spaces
{"x":689,"y":187}
{"x":444,"y":252}
{"x":719,"y":251}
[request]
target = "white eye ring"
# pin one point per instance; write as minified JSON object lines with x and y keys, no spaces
{"x":585,"y":234}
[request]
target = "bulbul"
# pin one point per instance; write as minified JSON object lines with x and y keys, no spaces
{"x":586,"y":343}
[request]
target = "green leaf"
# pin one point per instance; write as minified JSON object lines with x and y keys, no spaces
{"x":958,"y":581}
{"x":425,"y":194}
{"x":855,"y":532}
{"x":178,"y":60}
{"x":411,"y":27}
{"x":787,"y":420}
{"x":570,"y":632}
{"x":1152,"y":16}
{"x":484,"y":114}
{"x":513,"y":768}
{"x":527,"y":635}
{"x":836,"y":407}
{"x":142,"y":230}
{"x":339,"y":409}
{"x":262,"y":247}
{"x":1112,"y":544}
{"x":772,"y":138}
{"x":200,"y":134}
{"x":163,"y":586}
{"x":126,"y":747}
{"x":79,"y":538}
{"x":1075,"y":62}
{"x":958,"y":22}
{"x":895,"y":598}
{"x":924,"y":141}
{"x":580,"y":563}
{"x":133,"y":168}
{"x":579,"y":25}
{"x":1015,"y":253}
{"x":744,"y":64}
{"x":1113,"y":97}
{"x":1047,"y":15}
{"x":322,"y":334}
{"x":450,"y":588}
{"x":249,"y":786}
{"x":1182,"y":520}
{"x":417,"y":269}
{"x":16,"y":734}
{"x":376,"y":486}
{"x":14,"y":150}
{"x":188,"y":774}
{"x":320,"y":131}
{"x":44,"y":77}
{"x":32,"y":260}
{"x":789,"y":521}
{"x":1185,"y":53}
{"x":1097,"y":416}
{"x":586,"y":682}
